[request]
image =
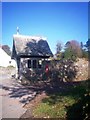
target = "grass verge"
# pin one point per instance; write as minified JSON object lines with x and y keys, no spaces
{"x":72,"y":104}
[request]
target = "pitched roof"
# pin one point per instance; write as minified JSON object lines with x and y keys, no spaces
{"x":30,"y":45}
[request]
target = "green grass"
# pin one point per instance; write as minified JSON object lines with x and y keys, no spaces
{"x":51,"y":109}
{"x":60,"y":105}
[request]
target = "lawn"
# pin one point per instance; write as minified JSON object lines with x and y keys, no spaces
{"x":71,"y":104}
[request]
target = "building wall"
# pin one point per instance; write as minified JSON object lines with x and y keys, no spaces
{"x":5,"y":59}
{"x":31,"y":73}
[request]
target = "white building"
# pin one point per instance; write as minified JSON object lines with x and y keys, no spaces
{"x":5,"y":59}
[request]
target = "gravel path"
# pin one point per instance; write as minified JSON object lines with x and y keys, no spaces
{"x":13,"y":96}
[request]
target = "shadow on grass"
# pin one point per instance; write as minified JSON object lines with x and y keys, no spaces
{"x":80,"y":109}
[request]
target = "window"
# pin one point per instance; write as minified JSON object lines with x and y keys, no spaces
{"x":9,"y":62}
{"x":39,"y":63}
{"x":29,"y":63}
{"x":34,"y":63}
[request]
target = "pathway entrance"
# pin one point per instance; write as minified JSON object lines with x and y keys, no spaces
{"x":13,"y":95}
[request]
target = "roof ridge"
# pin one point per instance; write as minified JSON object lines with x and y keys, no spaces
{"x":30,"y":37}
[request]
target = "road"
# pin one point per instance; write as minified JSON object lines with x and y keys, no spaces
{"x":13,"y":96}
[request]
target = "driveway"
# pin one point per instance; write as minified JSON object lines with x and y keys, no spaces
{"x":13,"y":95}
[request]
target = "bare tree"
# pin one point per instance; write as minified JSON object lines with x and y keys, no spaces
{"x":58,"y":49}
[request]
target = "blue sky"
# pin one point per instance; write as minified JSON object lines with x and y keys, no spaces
{"x":58,"y":21}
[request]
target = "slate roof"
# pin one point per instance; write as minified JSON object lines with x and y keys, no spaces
{"x":30,"y":45}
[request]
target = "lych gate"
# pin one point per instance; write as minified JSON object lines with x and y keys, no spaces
{"x":30,"y":54}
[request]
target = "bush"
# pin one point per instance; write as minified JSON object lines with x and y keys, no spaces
{"x":81,"y":109}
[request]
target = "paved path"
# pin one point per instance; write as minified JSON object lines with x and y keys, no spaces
{"x":14,"y":96}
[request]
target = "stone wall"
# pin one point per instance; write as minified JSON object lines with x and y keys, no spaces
{"x":83,"y":67}
{"x":68,"y":70}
